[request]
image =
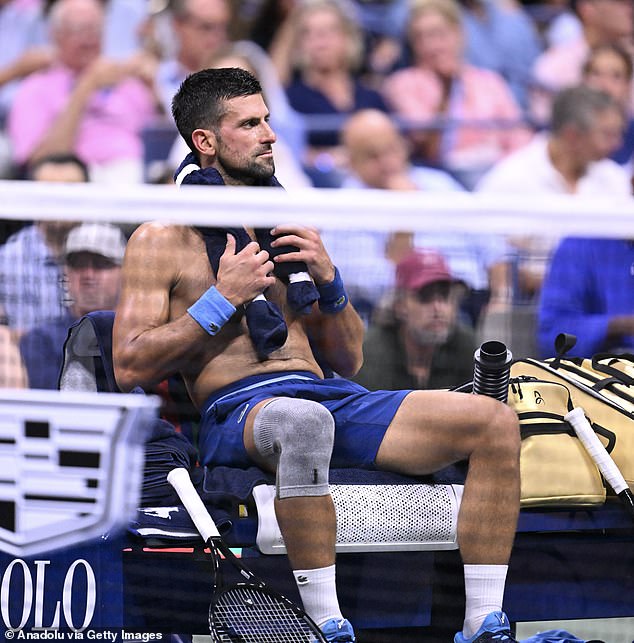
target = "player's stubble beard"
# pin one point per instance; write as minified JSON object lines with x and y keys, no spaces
{"x":253,"y":170}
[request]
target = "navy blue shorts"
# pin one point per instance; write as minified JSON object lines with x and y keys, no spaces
{"x":361,"y":416}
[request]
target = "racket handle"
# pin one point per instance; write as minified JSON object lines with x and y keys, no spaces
{"x":182,"y":483}
{"x":597,"y":451}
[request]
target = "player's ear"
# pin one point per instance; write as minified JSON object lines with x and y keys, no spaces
{"x":204,"y":141}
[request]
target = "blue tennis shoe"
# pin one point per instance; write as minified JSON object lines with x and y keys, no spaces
{"x":495,"y":627}
{"x":338,"y":630}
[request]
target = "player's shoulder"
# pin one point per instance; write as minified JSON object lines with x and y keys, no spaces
{"x":161,"y":233}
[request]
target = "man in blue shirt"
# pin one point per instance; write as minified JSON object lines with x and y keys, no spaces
{"x":589,"y":292}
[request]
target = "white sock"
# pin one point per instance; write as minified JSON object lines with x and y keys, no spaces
{"x":318,"y":592}
{"x":484,"y":593}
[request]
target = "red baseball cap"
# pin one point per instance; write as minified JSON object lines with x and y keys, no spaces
{"x":420,"y":268}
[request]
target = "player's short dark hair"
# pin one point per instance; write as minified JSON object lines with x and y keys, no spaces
{"x":200,"y":100}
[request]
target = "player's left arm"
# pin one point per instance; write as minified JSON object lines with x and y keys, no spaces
{"x":338,"y":332}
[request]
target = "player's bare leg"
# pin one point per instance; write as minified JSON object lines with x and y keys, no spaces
{"x":433,"y":429}
{"x":308,"y":525}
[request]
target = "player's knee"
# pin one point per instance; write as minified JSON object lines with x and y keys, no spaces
{"x":504,"y":433}
{"x":498,"y":425}
{"x":508,"y":421}
{"x":300,"y":434}
{"x":292,"y":423}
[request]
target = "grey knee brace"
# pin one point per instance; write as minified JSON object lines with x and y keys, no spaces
{"x":301,"y":434}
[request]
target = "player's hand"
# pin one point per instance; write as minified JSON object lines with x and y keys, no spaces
{"x":310,"y":250}
{"x":243,"y":275}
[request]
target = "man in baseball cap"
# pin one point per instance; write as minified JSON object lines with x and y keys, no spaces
{"x":99,"y":239}
{"x":420,"y":343}
{"x":93,"y":255}
{"x":420,"y":268}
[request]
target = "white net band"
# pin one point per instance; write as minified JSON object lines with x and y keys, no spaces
{"x":549,"y":215}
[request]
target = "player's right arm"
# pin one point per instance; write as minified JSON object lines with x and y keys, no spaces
{"x":148,"y":345}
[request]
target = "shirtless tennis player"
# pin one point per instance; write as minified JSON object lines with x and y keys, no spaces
{"x":176,"y":316}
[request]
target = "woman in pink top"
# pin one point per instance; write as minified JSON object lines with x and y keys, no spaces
{"x":441,"y":89}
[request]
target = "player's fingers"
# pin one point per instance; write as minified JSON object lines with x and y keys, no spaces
{"x":296,"y":228}
{"x":230,"y":248}
{"x":252,"y":248}
{"x":289,"y":240}
{"x":289,"y":256}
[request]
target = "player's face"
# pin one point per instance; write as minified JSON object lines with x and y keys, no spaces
{"x":244,"y":142}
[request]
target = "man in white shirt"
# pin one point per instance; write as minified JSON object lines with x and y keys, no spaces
{"x":572,"y":158}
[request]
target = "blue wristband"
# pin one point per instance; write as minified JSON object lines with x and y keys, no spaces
{"x":212,"y":311}
{"x":332,"y":296}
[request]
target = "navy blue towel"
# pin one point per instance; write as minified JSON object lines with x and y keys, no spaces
{"x":266,"y":324}
{"x":165,"y":449}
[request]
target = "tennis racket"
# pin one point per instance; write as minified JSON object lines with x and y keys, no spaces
{"x":606,"y":465}
{"x":248,"y":611}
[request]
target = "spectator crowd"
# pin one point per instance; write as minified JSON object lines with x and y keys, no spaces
{"x":487,"y":96}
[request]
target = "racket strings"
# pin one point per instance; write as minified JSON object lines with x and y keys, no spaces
{"x":250,"y":615}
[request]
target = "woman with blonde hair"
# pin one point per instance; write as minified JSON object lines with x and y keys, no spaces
{"x":462,"y":117}
{"x":322,"y":43}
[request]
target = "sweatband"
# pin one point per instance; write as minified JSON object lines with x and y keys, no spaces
{"x":332,"y":296}
{"x":212,"y":311}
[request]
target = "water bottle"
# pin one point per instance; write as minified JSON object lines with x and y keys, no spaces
{"x":491,"y":370}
